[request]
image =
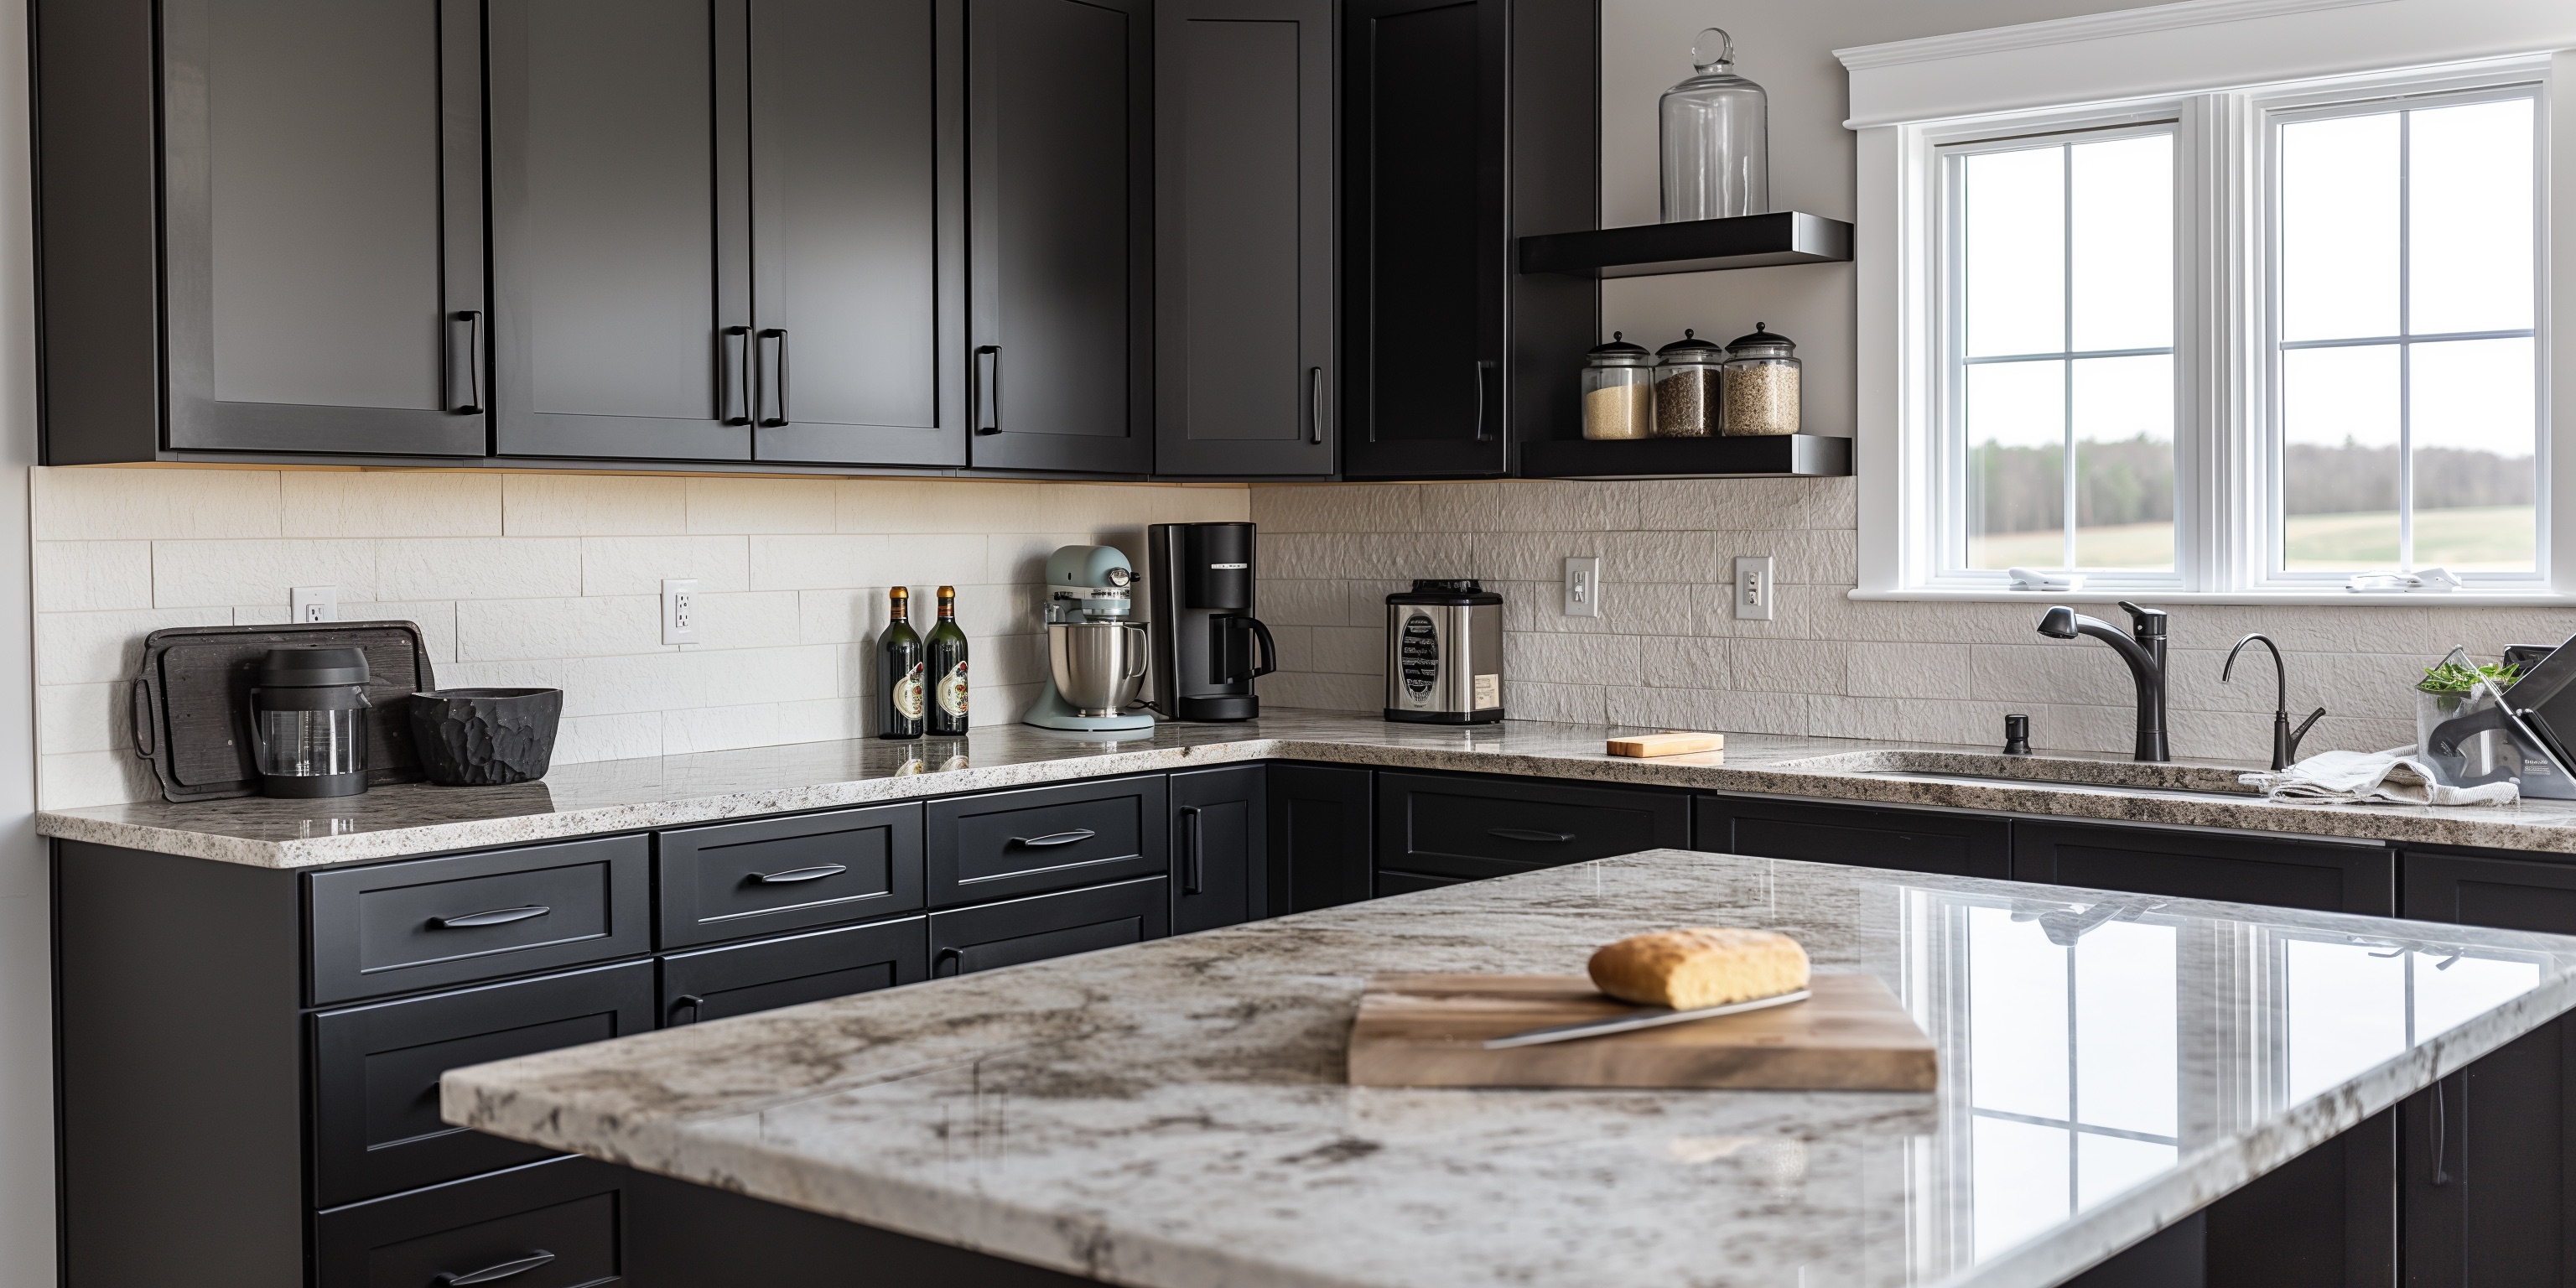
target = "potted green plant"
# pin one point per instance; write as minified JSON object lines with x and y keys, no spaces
{"x":2457,"y":686}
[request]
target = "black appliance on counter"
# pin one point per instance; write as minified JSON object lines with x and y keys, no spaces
{"x":1198,"y":595}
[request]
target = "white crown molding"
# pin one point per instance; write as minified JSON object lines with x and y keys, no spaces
{"x":2067,"y":31}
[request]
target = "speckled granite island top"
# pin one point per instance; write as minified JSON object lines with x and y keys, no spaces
{"x":1174,"y":1114}
{"x":666,"y":791}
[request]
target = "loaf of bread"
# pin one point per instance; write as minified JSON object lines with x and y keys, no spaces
{"x":1701,"y":966}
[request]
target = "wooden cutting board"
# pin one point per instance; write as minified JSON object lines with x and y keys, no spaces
{"x":1429,"y":1030}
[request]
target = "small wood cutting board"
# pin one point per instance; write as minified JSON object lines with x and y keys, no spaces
{"x":1429,"y":1031}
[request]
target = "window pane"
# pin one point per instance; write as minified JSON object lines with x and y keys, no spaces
{"x":2472,"y":407}
{"x":2016,"y":465}
{"x":2127,"y":1053}
{"x":2339,"y":458}
{"x":2347,"y":1012}
{"x":2122,"y":195}
{"x":2451,"y":991}
{"x":2469,"y":172}
{"x":2016,"y":1018}
{"x":2124,"y":462}
{"x":2339,"y":227}
{"x":2019,"y":1180}
{"x":2108,"y":1165}
{"x":2014,"y":281}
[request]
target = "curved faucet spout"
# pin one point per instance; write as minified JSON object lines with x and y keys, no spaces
{"x":2145,"y":656}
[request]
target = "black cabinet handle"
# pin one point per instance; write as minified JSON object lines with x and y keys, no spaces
{"x":793,"y":875}
{"x":1056,"y":838}
{"x":2441,"y":1137}
{"x":1193,"y":851}
{"x":495,"y":1274}
{"x":988,"y":389}
{"x":466,"y":361}
{"x":1482,"y":434}
{"x":952,"y":958}
{"x":1525,"y":834}
{"x":1314,"y":404}
{"x":733,"y":357}
{"x":492,"y":917}
{"x":773,"y":375}
{"x":695,"y":1003}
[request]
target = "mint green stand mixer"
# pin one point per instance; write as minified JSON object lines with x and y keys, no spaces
{"x":1096,"y":656}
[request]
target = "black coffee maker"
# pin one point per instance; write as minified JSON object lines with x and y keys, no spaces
{"x":1207,"y":645}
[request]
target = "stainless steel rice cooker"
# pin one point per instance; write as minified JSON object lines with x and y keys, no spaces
{"x":1444,"y":654}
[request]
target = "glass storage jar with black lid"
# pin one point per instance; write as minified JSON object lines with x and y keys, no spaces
{"x":1761,"y":384}
{"x":308,"y":722}
{"x":1618,"y":390}
{"x":1686,"y":387}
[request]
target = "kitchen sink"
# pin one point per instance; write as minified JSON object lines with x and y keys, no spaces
{"x":2124,"y":776}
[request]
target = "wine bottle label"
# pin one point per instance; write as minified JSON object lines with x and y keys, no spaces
{"x":907,"y":693}
{"x":952,"y":690}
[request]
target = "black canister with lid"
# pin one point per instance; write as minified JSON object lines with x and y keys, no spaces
{"x":308,"y":722}
{"x":1444,"y":653}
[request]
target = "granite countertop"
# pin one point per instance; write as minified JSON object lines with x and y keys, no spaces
{"x":1174,"y":1114}
{"x":664,"y":791}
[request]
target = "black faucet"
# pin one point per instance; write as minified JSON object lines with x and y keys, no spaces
{"x":2285,"y":740}
{"x":2145,"y":655}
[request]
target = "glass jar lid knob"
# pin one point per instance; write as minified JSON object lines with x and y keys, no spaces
{"x":1714,"y":48}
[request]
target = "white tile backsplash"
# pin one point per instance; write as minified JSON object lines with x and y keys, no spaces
{"x":554,"y":580}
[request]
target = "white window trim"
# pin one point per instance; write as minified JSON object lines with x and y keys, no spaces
{"x":1909,"y":96}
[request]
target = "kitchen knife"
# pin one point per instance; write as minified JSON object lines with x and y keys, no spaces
{"x":1643,"y":1017}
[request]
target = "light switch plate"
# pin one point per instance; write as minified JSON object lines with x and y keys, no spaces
{"x":1583,"y":586}
{"x":680,"y":610}
{"x":309,"y":604}
{"x":1754,"y":592}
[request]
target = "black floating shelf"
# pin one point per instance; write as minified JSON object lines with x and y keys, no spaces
{"x":1752,"y":456}
{"x":1696,"y":246}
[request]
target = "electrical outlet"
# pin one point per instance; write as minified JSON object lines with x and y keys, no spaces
{"x":680,"y":610}
{"x":305,"y":604}
{"x":1753,"y":588}
{"x":1583,"y":586}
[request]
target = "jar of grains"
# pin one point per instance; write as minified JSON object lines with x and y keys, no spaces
{"x":1686,"y":387}
{"x":1761,"y":384}
{"x":1618,"y":390}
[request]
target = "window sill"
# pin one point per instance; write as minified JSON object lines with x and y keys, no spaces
{"x":2332,"y":598}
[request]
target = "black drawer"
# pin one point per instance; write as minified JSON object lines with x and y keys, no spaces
{"x":1407,"y":882}
{"x":430,"y":923}
{"x":2208,"y":865}
{"x":712,"y":983}
{"x":1002,"y":844}
{"x":565,"y":1220}
{"x":2514,"y":892}
{"x":1869,"y":836}
{"x":733,"y":880}
{"x":1440,"y":825}
{"x":376,"y":1069}
{"x":1049,"y":925}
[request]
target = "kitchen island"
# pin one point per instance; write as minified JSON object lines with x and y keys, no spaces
{"x":1174,"y":1114}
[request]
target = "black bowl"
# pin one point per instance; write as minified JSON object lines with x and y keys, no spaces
{"x":485,"y":737}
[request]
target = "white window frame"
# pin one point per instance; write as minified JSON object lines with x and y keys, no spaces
{"x":2216,"y":67}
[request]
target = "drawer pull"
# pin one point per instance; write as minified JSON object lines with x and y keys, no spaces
{"x":1194,"y":867}
{"x":1526,"y":834}
{"x":1056,"y":838}
{"x":493,"y":917}
{"x":696,"y":1004}
{"x":495,"y":1274}
{"x":952,"y":959}
{"x":794,"y":875}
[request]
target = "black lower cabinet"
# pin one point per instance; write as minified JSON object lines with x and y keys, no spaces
{"x":2208,"y":865}
{"x":1322,"y":836}
{"x":2326,"y":1219}
{"x":713,"y":983}
{"x":1218,"y":844}
{"x":1460,"y":826}
{"x":993,"y":935}
{"x":1000,"y":844}
{"x":1394,"y":883}
{"x":564,"y":1223}
{"x":695,"y":1236}
{"x":1908,"y":840}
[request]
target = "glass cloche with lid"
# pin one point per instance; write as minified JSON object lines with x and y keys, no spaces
{"x":1716,"y":129}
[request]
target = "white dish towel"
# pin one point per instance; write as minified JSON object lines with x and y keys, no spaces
{"x":2392,"y":777}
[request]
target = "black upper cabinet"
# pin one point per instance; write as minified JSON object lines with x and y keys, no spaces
{"x":1060,"y":190}
{"x":1466,"y":123}
{"x":1244,"y":238}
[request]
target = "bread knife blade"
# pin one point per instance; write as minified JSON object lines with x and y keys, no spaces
{"x":1644,"y":1017}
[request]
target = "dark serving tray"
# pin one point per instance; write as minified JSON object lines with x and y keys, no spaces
{"x":191,"y":704}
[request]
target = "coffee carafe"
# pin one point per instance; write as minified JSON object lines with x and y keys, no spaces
{"x":1208,"y":645}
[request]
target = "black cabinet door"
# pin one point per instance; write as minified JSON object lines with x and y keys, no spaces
{"x":2208,"y":865}
{"x":1861,"y":835}
{"x":1447,"y":825}
{"x":567,"y":1223}
{"x":323,"y":214}
{"x":999,"y":844}
{"x":966,"y":940}
{"x":739,"y":979}
{"x":1220,"y":838}
{"x":1245,"y":369}
{"x":858,"y":232}
{"x":698,"y":1236}
{"x":1060,"y":195}
{"x":1322,"y":836}
{"x":621,"y":230}
{"x":1425,"y":118}
{"x":765,"y":875}
{"x":430,"y":923}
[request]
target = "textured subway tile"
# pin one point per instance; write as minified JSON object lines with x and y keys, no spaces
{"x":1527,"y":505}
{"x":1714,"y":710}
{"x":593,"y":505}
{"x":639,"y":565}
{"x":89,"y":648}
{"x":579,"y":739}
{"x":1785,"y":665}
{"x":92,"y":576}
{"x":1875,"y":670}
{"x":720,"y":728}
{"x":436,"y":620}
{"x":463,"y":568}
{"x":501,"y":630}
{"x":839,"y":616}
{"x":79,"y":503}
{"x":1348,"y":650}
{"x":1908,"y":720}
{"x":84,"y":717}
{"x":75,"y":779}
{"x":1563,"y":658}
{"x":955,"y":558}
{"x":755,"y":505}
{"x":1557,"y":703}
{"x":819,"y":562}
{"x":1684,"y":662}
{"x":1337,"y":507}
{"x":821,"y":720}
{"x":1006,"y":660}
{"x":752,"y":619}
{"x":192,"y":574}
{"x":389,"y":503}
{"x":1301,"y":602}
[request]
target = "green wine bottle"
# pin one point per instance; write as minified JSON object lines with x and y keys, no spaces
{"x":948,"y":670}
{"x":899,"y":666}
